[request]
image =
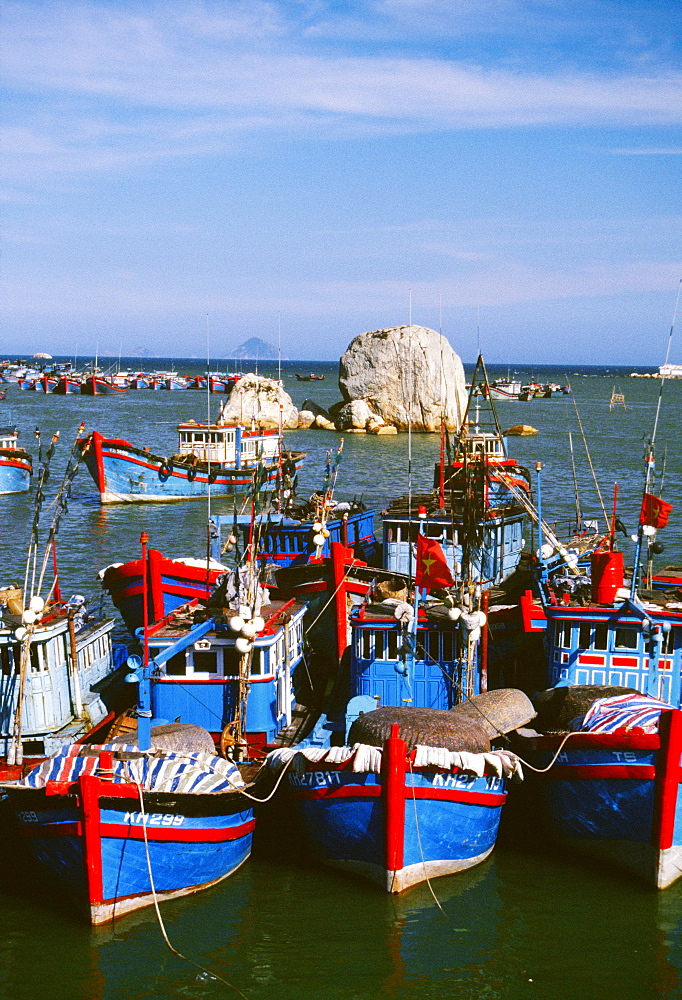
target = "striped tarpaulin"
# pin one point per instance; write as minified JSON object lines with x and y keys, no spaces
{"x":624,"y":712}
{"x":155,"y":772}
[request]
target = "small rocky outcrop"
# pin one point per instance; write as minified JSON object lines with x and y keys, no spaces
{"x":310,"y":406}
{"x":257,"y":398}
{"x":403,"y":375}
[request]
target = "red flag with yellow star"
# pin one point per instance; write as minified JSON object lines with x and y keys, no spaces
{"x":654,"y":511}
{"x":433,"y":571}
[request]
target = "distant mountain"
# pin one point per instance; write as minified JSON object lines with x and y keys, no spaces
{"x":257,"y":349}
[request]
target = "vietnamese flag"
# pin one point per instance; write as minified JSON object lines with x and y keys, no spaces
{"x":654,"y":511}
{"x":433,"y":571}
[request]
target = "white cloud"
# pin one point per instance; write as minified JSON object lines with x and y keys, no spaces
{"x":92,"y":86}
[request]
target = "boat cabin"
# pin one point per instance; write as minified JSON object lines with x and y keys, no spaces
{"x":490,"y":562}
{"x":634,"y":644}
{"x":8,"y":439}
{"x":63,"y":700}
{"x":199,"y":684}
{"x":228,"y":444}
{"x":382,"y":667}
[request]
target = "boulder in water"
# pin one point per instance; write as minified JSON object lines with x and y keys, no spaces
{"x":407,"y":375}
{"x":257,"y":398}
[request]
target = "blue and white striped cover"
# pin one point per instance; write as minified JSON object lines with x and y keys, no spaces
{"x":624,"y":712}
{"x":173,"y":772}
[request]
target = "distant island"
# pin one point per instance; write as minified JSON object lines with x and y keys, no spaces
{"x":255,"y":348}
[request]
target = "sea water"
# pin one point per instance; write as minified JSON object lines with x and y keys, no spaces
{"x":526,"y":923}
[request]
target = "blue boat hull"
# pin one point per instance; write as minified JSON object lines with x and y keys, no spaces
{"x":99,"y":854}
{"x":15,"y":472}
{"x":616,"y":797}
{"x":399,"y":832}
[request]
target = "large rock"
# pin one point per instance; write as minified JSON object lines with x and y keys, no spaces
{"x":406,"y":375}
{"x":259,"y":398}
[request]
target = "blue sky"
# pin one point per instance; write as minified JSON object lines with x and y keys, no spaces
{"x":315,"y":163}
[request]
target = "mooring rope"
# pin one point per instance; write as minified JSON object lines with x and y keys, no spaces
{"x":421,"y":849}
{"x":162,"y":927}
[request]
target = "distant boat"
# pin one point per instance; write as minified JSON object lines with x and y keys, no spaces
{"x":309,"y":378}
{"x":67,"y":385}
{"x":98,"y":385}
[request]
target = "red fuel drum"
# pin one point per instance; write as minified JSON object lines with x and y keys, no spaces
{"x":607,"y":576}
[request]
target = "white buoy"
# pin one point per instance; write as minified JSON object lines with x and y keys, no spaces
{"x":20,"y":634}
{"x":258,"y":623}
{"x":36,"y":604}
{"x":28,"y":617}
{"x":318,"y":540}
{"x":236,"y":623}
{"x":243,"y":644}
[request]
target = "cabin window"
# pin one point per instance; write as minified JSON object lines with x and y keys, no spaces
{"x":365,"y":639}
{"x":379,"y":644}
{"x":256,"y":662}
{"x":205,"y":661}
{"x":584,"y":636}
{"x":177,"y":664}
{"x":433,"y":530}
{"x":6,"y":661}
{"x":601,"y":637}
{"x":392,"y":645}
{"x":626,"y":638}
{"x":564,"y":633}
{"x":448,"y":646}
{"x":231,"y":661}
{"x":389,"y":534}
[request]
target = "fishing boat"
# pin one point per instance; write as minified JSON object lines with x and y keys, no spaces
{"x":217,"y":459}
{"x":67,"y":385}
{"x":16,"y":464}
{"x":309,"y":378}
{"x":170,"y":583}
{"x":613,"y":794}
{"x":503,"y":389}
{"x":120,"y":829}
{"x":46,"y":383}
{"x":395,"y":814}
{"x":101,"y":385}
{"x":611,"y":788}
